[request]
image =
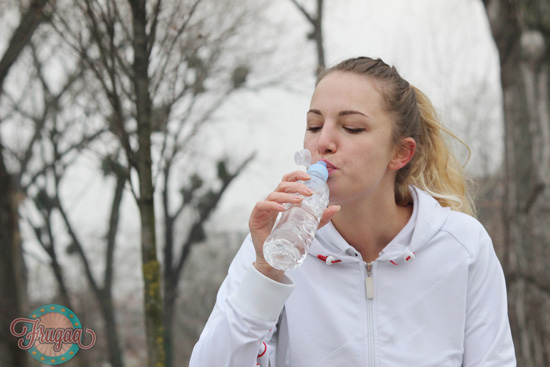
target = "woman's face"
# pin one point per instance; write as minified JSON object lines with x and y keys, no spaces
{"x":348,"y":127}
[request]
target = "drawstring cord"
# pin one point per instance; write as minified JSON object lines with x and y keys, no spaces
{"x":329,"y":260}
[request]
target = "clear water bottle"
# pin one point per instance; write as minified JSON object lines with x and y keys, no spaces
{"x":288,"y":244}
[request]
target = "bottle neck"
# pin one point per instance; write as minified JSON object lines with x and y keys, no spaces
{"x":317,"y":175}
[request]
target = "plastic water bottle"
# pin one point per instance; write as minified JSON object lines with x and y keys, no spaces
{"x":288,"y":244}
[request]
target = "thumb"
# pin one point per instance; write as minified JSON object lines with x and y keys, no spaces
{"x":328,"y":214}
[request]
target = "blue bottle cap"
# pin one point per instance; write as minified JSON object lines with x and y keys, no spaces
{"x":319,"y":169}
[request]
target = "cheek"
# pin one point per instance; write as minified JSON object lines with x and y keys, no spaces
{"x":308,"y":142}
{"x":376,"y":155}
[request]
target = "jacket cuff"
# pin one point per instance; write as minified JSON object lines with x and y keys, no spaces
{"x":261,"y":297}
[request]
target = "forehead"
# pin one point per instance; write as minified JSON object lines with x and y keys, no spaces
{"x":347,"y":90}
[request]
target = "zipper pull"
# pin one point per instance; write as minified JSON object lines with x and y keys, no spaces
{"x":369,"y":282}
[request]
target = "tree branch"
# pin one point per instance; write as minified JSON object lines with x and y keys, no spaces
{"x":204,"y":215}
{"x":50,"y":166}
{"x":113,"y":229}
{"x":76,"y":241}
{"x":154,"y":24}
{"x":157,"y":74}
{"x":21,"y":36}
{"x":308,"y":16}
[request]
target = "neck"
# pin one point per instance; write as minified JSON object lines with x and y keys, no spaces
{"x":370,"y":226}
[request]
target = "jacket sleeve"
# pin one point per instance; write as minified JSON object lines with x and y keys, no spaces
{"x":244,"y":318}
{"x":488,"y":340}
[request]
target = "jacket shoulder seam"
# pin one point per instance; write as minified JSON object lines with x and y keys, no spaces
{"x":468,"y":251}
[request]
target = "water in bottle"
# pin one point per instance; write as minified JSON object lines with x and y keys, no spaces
{"x":288,"y":244}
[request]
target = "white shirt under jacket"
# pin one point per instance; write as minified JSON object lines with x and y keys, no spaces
{"x":437,"y":298}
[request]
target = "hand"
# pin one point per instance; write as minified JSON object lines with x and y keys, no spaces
{"x":265,"y":213}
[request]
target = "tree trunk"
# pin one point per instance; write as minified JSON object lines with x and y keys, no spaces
{"x":151,"y":266}
{"x":111,"y":330}
{"x":169,"y":315}
{"x":12,"y":284}
{"x":106,"y":297}
{"x":11,"y":272}
{"x":522,"y":36}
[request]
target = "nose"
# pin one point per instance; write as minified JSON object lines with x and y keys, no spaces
{"x":327,"y":140}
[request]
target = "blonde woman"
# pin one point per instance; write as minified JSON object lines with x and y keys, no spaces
{"x":400,"y":274}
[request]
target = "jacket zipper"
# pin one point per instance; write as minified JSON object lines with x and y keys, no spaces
{"x":369,"y":288}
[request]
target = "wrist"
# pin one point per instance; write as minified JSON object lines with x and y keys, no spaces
{"x":269,"y":271}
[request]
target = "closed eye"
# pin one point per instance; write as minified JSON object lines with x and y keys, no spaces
{"x":354,"y":130}
{"x":314,"y":128}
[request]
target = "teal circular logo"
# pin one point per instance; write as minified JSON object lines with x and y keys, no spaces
{"x":52,"y":334}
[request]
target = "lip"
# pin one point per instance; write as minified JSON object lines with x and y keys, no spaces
{"x":330,"y":167}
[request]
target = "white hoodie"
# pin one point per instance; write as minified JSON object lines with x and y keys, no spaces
{"x":435,"y":297}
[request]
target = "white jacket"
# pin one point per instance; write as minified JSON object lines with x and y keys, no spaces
{"x":435,"y":297}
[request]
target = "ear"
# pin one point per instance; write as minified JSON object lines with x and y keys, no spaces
{"x":403,"y":154}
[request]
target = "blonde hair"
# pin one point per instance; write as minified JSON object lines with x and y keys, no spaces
{"x":434,"y":168}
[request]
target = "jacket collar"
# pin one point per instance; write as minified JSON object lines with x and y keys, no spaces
{"x":428,"y":216}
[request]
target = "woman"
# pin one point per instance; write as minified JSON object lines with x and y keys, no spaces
{"x":400,"y":275}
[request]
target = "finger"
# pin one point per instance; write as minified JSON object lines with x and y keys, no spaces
{"x":295,"y":176}
{"x":328,"y":214}
{"x":264,"y":215}
{"x":268,"y":206}
{"x":293,"y":188}
{"x":283,"y":198}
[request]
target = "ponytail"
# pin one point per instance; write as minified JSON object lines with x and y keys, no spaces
{"x":434,"y":168}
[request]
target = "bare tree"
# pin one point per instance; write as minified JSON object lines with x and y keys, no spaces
{"x":11,"y":263}
{"x":142,"y":46}
{"x":47,"y":200}
{"x":44,"y":109}
{"x":162,"y":69}
{"x":521,"y":30}
{"x":202,"y":200}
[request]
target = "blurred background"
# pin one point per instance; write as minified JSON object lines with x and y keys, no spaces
{"x":136,"y":136}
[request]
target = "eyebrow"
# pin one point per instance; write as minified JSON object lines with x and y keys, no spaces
{"x":341,"y":113}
